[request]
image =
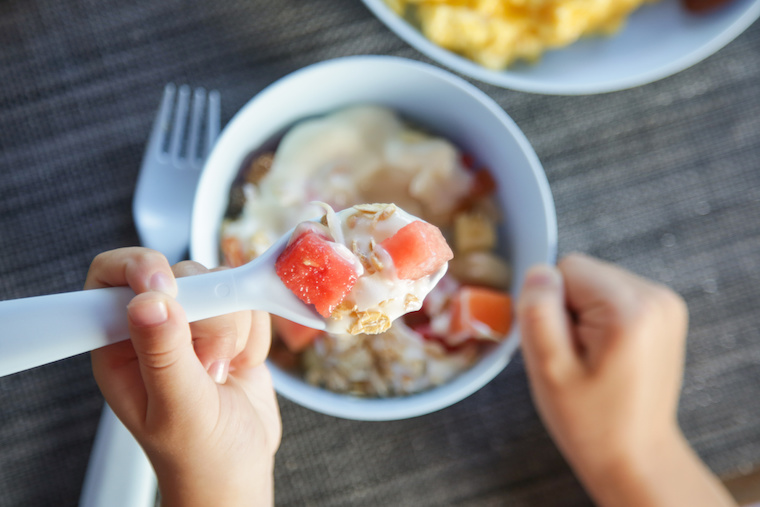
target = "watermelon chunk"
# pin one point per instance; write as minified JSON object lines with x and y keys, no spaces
{"x":295,"y":336}
{"x":417,"y":249}
{"x":234,"y":254}
{"x":481,"y":313}
{"x":315,"y":272}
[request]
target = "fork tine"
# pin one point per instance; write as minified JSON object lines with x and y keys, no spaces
{"x":160,"y":130}
{"x":212,"y":121}
{"x":180,"y":121}
{"x":199,"y":99}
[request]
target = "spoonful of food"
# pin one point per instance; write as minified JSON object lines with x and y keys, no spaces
{"x":353,"y":272}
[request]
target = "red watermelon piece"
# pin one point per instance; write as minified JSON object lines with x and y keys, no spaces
{"x":418,"y":249}
{"x":315,"y":272}
{"x":295,"y":336}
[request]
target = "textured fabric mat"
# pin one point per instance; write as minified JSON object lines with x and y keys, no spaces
{"x":662,"y":179}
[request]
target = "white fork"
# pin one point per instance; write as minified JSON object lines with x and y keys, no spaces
{"x":119,"y":474}
{"x":168,"y":178}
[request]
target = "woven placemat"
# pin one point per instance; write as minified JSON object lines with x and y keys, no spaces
{"x":662,"y":179}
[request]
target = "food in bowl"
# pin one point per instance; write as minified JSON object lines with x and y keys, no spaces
{"x":366,"y":154}
{"x":364,"y":267}
{"x":703,"y":5}
{"x":498,"y":33}
{"x":422,"y":94}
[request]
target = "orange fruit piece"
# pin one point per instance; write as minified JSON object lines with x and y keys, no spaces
{"x":481,"y":313}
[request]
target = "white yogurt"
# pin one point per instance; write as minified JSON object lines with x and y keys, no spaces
{"x":379,"y":296}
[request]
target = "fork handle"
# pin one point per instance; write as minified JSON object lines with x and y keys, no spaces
{"x":42,"y":329}
{"x":119,"y":473}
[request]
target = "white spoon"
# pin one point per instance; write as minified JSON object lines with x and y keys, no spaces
{"x":43,"y":329}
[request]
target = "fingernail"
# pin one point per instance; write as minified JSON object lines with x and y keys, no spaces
{"x":161,"y":282}
{"x":542,"y":276}
{"x":219,"y":370}
{"x":148,"y":313}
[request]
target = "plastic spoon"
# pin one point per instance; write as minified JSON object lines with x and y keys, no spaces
{"x":43,"y":329}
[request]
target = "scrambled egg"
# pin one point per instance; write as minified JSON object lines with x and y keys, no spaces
{"x":496,"y":33}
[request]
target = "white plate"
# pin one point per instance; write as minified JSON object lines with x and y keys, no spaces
{"x":658,"y":40}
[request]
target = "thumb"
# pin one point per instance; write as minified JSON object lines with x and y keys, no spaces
{"x":170,"y":370}
{"x":547,"y":342}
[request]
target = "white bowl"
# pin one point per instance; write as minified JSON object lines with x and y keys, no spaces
{"x":435,"y":98}
{"x":658,"y":40}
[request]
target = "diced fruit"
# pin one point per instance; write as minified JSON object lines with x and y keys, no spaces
{"x":436,"y":303}
{"x":467,"y":160}
{"x":702,"y":5}
{"x":484,"y":184}
{"x":481,"y":268}
{"x":283,"y":357}
{"x":480,"y":312}
{"x":234,"y":255}
{"x":449,"y":347}
{"x":316,"y":272}
{"x":295,"y":336}
{"x":417,"y":249}
{"x":415,"y":319}
{"x":473,"y":231}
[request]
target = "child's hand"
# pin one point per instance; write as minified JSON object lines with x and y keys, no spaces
{"x":196,"y":396}
{"x":604,"y":353}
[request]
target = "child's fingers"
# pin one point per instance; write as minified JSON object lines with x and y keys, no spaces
{"x":141,"y":269}
{"x":257,"y":383}
{"x":115,"y":366}
{"x":592,"y":284}
{"x":259,"y":338}
{"x":599,"y":295}
{"x":117,"y":373}
{"x":173,"y":376}
{"x":218,"y":339}
{"x":547,"y":341}
{"x":610,"y":302}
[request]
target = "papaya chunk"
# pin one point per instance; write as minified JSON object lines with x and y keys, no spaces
{"x":481,"y":313}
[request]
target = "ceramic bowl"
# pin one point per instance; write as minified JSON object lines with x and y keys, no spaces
{"x":427,"y":95}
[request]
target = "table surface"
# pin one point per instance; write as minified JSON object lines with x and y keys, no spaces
{"x":662,"y":179}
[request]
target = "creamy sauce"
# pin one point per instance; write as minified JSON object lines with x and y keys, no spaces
{"x":357,"y":155}
{"x":379,"y":296}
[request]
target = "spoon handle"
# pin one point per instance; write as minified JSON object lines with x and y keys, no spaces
{"x":42,"y":329}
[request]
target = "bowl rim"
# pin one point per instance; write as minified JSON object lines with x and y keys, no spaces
{"x":439,"y":397}
{"x":516,"y":81}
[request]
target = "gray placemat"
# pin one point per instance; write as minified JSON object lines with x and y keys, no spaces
{"x":662,"y":179}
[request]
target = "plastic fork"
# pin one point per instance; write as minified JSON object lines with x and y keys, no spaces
{"x":171,"y":167}
{"x":119,"y":474}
